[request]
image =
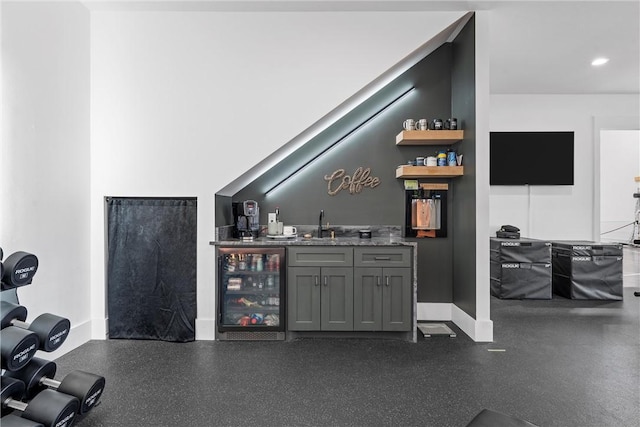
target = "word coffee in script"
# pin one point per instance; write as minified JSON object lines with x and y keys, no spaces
{"x":360,"y":179}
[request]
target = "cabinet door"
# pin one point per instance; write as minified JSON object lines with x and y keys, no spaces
{"x":396,"y":299}
{"x":367,"y":299}
{"x":303,"y":298}
{"x":337,"y":299}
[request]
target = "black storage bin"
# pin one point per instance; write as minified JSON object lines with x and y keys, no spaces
{"x":521,"y":280}
{"x":587,"y":270}
{"x":520,"y":268}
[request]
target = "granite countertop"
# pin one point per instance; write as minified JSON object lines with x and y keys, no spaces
{"x":382,"y":235}
{"x":314,"y":241}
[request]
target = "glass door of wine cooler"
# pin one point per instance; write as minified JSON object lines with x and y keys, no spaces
{"x":250,"y":292}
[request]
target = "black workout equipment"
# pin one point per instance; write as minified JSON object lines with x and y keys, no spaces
{"x":489,"y":418}
{"x":49,"y":407}
{"x":38,"y":375}
{"x":1,"y":264}
{"x":52,"y":330}
{"x":13,"y":420}
{"x":19,"y":269}
{"x":17,"y":347}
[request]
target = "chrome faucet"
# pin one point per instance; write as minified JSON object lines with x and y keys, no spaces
{"x":320,"y":223}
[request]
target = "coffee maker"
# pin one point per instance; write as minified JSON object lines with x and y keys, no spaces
{"x":246,"y":216}
{"x":426,"y":211}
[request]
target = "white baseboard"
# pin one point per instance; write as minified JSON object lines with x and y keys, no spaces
{"x":478,"y":330}
{"x":99,"y":329}
{"x":205,"y":329}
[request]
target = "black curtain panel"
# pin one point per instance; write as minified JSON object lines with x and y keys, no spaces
{"x":151,"y":269}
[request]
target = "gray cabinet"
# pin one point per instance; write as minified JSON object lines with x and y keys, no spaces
{"x":320,"y":298}
{"x":349,"y":289}
{"x":320,"y":289}
{"x":382,"y":295}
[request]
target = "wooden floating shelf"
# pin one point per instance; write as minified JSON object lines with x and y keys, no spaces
{"x":412,"y":172}
{"x":429,"y":137}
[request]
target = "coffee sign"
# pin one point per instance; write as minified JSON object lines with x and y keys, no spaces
{"x":355,"y":183}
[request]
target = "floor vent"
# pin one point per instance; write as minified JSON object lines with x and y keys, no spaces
{"x":252,"y":336}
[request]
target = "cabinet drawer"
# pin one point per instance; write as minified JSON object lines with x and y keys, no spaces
{"x":370,"y":256}
{"x":307,"y":256}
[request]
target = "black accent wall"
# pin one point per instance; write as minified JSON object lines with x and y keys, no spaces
{"x":365,"y":137}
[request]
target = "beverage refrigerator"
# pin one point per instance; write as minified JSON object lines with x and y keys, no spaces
{"x":250,"y":293}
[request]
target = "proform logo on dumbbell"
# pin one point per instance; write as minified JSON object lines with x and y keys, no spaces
{"x":58,"y":339}
{"x":25,"y":354}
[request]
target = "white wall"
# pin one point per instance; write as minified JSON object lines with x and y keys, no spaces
{"x":619,"y":165}
{"x":183,"y":103}
{"x":560,"y":212}
{"x":44,"y":153}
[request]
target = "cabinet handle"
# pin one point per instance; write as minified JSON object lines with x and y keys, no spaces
{"x":382,"y":258}
{"x":378,"y":278}
{"x":387,"y":280}
{"x":325,"y":281}
{"x":317,"y":281}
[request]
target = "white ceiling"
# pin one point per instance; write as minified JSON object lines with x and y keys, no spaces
{"x":536,"y":46}
{"x":547,"y":47}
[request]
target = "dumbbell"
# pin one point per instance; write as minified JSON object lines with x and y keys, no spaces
{"x":49,"y":407}
{"x":38,"y":375}
{"x":52,"y":330}
{"x":13,"y":420}
{"x":19,"y":269}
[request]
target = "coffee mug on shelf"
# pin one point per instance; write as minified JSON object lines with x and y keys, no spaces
{"x":422,"y":124}
{"x":451,"y":124}
{"x":409,"y":124}
{"x":436,"y":124}
{"x":290,"y":230}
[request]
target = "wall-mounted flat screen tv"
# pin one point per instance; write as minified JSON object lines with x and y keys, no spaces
{"x":531,"y":158}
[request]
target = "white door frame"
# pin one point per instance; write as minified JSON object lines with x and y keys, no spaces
{"x":600,"y":124}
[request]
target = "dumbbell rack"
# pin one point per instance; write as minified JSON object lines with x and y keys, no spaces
{"x":28,"y":385}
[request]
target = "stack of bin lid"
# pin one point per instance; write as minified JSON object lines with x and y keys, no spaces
{"x":520,"y":268}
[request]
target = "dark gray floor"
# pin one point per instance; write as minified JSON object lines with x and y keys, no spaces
{"x":565,"y":363}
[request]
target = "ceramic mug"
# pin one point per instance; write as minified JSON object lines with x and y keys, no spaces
{"x":272,"y":228}
{"x":409,"y":124}
{"x":290,"y":230}
{"x":422,"y":124}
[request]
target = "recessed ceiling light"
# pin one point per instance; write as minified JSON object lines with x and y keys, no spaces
{"x":599,"y":61}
